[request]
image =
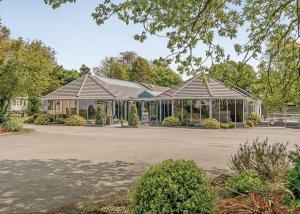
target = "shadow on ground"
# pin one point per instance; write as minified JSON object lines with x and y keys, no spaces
{"x":42,"y":185}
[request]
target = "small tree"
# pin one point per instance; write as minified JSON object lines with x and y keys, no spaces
{"x":33,"y":106}
{"x":133,"y":116}
{"x":100,"y":115}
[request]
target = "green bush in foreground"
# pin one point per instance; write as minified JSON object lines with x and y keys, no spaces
{"x":224,"y":125}
{"x":211,"y":123}
{"x":75,"y":120}
{"x":293,"y":181}
{"x":12,"y":126}
{"x":250,"y":123}
{"x":42,"y":119}
{"x":246,"y":182}
{"x":270,"y":160}
{"x":254,"y":117}
{"x":171,"y":121}
{"x":133,"y":119}
{"x":173,"y":187}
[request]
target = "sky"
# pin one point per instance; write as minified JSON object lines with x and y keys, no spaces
{"x":77,"y":39}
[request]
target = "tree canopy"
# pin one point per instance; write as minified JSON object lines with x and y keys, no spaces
{"x":188,"y":24}
{"x":83,"y":70}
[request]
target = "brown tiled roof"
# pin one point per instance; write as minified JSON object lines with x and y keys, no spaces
{"x":99,"y":87}
{"x":197,"y":87}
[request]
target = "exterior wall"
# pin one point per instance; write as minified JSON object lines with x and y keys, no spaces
{"x":18,"y":105}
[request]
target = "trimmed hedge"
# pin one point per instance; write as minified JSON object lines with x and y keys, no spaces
{"x":75,"y":120}
{"x":42,"y":119}
{"x":171,"y":121}
{"x":211,"y":123}
{"x":173,"y":187}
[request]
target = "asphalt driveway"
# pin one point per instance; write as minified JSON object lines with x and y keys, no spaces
{"x":58,"y":165}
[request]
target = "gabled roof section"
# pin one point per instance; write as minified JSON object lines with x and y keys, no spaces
{"x":202,"y":87}
{"x":83,"y":88}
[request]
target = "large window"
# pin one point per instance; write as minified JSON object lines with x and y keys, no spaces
{"x":204,"y":109}
{"x":215,"y":109}
{"x":177,"y":109}
{"x":196,"y":111}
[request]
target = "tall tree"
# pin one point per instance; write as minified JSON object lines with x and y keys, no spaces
{"x":188,"y":24}
{"x":141,"y":71}
{"x":68,"y":76}
{"x":128,"y":57}
{"x":279,"y":77}
{"x":236,"y":74}
{"x":114,"y":68}
{"x":165,"y":76}
{"x":83,"y":70}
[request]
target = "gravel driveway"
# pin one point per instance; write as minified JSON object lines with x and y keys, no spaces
{"x":57,"y":165}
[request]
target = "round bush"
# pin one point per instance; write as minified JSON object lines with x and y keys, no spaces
{"x":42,"y":119}
{"x":246,"y":182}
{"x":254,"y":117}
{"x":250,"y":123}
{"x":12,"y":126}
{"x":171,"y":121}
{"x":231,"y":125}
{"x":75,"y":120}
{"x":211,"y":124}
{"x":173,"y":187}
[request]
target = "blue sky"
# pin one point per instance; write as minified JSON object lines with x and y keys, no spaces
{"x":73,"y":34}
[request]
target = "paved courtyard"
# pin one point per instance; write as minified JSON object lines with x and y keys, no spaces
{"x":57,"y":165}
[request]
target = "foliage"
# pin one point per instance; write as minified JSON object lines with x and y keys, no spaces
{"x":231,"y":125}
{"x":114,"y":68}
{"x":279,"y":76}
{"x":12,"y":125}
{"x":236,"y":74}
{"x":133,"y":119}
{"x":224,"y":125}
{"x":254,"y":118}
{"x":100,"y":115}
{"x":75,"y":120}
{"x":141,"y":71}
{"x":250,"y":124}
{"x":165,"y":76}
{"x":173,"y":187}
{"x":246,"y":182}
{"x":32,"y":118}
{"x":270,"y":160}
{"x":124,"y":123}
{"x":42,"y":119}
{"x":252,"y":203}
{"x":83,"y":70}
{"x":211,"y":123}
{"x":66,"y":76}
{"x":188,"y":24}
{"x":293,"y":181}
{"x":33,"y":106}
{"x":171,"y":121}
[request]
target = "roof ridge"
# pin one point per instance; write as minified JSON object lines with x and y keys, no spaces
{"x":92,"y":78}
{"x":63,"y":86}
{"x":186,"y":83}
{"x":80,"y":89}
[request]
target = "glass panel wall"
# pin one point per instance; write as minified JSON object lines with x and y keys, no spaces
{"x":204,"y":109}
{"x":187,"y":110}
{"x":231,"y":109}
{"x":177,"y":109}
{"x":215,"y":109}
{"x":195,"y":111}
{"x":224,"y":114}
{"x":239,"y":111}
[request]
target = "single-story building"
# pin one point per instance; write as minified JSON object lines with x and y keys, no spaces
{"x":18,"y":105}
{"x":196,"y":99}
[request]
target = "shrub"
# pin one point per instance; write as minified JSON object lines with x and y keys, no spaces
{"x":224,"y":125}
{"x":173,"y":187}
{"x":75,"y":120}
{"x":269,"y":160}
{"x":33,"y":106}
{"x":100,"y":115}
{"x":211,"y":124}
{"x":133,"y":119}
{"x":246,"y":182}
{"x":42,"y":119}
{"x":254,"y":117}
{"x":12,"y":126}
{"x":231,"y":125}
{"x":171,"y":121}
{"x":250,"y":123}
{"x":293,"y":180}
{"x":32,"y":118}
